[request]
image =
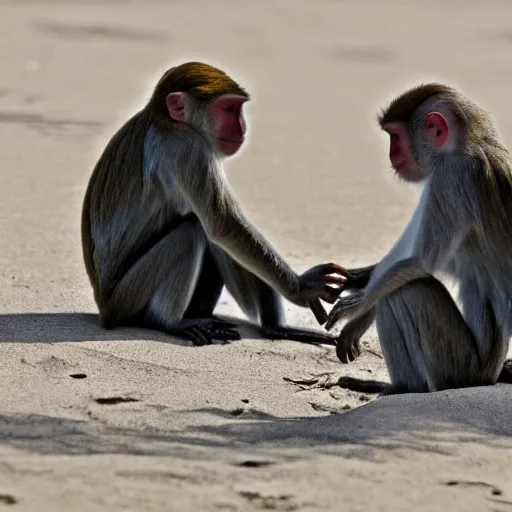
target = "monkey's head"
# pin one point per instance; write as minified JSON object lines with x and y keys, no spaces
{"x":429,"y":124}
{"x":205,"y":99}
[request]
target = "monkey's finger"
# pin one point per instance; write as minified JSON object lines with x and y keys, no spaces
{"x":333,"y":268}
{"x":226,"y":335}
{"x":341,"y":352}
{"x":198,"y":337}
{"x":332,"y":320}
{"x":334,"y":279}
{"x":318,"y":310}
{"x":330,"y":295}
{"x":219,"y":330}
{"x":351,"y":351}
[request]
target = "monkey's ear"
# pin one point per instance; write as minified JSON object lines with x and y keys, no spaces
{"x":176,"y":105}
{"x":436,"y":129}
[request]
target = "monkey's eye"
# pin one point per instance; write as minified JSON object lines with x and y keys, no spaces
{"x":230,"y":109}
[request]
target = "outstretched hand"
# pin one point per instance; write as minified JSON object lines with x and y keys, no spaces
{"x":323,"y":282}
{"x":320,"y":282}
{"x":343,"y":308}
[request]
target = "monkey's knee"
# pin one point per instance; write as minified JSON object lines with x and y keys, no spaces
{"x":420,"y":292}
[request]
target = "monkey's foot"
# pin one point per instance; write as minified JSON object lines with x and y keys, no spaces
{"x":203,"y":333}
{"x":506,"y":372}
{"x":364,"y":386}
{"x":294,"y":334}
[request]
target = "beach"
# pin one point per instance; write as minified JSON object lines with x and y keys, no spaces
{"x":136,"y":420}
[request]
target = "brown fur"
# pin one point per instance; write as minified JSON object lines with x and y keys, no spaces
{"x":162,"y":231}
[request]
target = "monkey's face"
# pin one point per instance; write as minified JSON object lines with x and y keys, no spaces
{"x":401,"y":154}
{"x":414,"y":146}
{"x":221,"y":121}
{"x":228,"y":125}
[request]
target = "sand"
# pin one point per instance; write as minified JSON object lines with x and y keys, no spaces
{"x":133,"y":420}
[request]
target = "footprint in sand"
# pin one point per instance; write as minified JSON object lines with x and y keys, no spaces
{"x":8,"y":499}
{"x":495,"y":491}
{"x":57,"y":367}
{"x":254,"y":463}
{"x":114,"y":400}
{"x":260,"y":501}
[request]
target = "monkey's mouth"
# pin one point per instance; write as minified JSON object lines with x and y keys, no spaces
{"x":232,"y":141}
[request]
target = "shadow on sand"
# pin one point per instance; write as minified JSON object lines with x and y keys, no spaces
{"x":59,"y":327}
{"x":430,"y":422}
{"x":433,"y":422}
{"x":70,"y":327}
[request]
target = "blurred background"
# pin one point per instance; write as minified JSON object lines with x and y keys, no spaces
{"x":314,"y":175}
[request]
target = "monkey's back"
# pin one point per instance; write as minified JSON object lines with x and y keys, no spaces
{"x":114,"y":180}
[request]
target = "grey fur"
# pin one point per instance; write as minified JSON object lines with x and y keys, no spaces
{"x":460,"y":228}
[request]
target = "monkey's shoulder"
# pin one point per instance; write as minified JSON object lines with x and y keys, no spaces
{"x":167,"y":152}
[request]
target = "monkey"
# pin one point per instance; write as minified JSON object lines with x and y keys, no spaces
{"x":462,"y":227}
{"x":162,"y":232}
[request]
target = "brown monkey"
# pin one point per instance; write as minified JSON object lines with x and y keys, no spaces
{"x":462,"y":227}
{"x":162,"y":233}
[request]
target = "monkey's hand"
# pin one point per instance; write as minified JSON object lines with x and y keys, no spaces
{"x":317,"y":283}
{"x":347,"y":346}
{"x":358,"y":277}
{"x":344,"y":307}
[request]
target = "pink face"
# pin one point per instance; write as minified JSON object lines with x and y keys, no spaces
{"x":401,"y":154}
{"x":228,"y":123}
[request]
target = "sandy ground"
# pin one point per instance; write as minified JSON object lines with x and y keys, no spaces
{"x":156,"y":424}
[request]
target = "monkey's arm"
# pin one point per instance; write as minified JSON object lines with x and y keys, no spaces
{"x":391,"y":280}
{"x":403,"y":248}
{"x":436,"y":230}
{"x":203,"y":183}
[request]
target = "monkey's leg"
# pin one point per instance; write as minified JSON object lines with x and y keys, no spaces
{"x":208,"y":289}
{"x":271,"y":316}
{"x":426,"y":342}
{"x":491,"y":343}
{"x":395,"y":329}
{"x":261,"y":303}
{"x":159,"y":287}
